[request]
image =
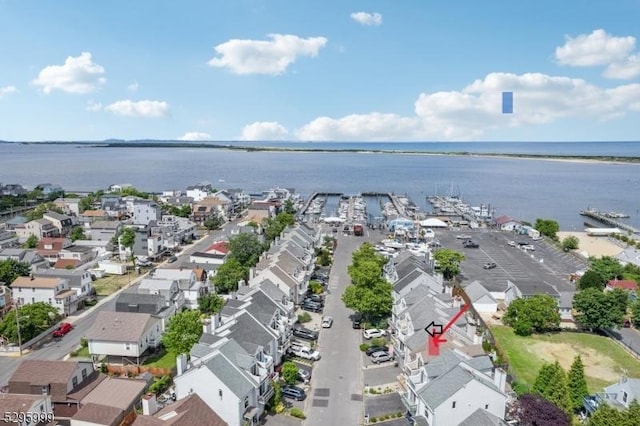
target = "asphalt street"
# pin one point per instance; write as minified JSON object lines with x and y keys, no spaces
{"x":337,"y":383}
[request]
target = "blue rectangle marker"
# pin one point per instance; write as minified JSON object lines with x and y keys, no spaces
{"x":507,"y":102}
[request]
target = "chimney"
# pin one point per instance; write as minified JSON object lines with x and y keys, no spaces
{"x":149,"y":404}
{"x":500,"y":378}
{"x":241,"y":283}
{"x":252,"y":273}
{"x":181,"y":364}
{"x":214,"y":322}
{"x":206,"y":326}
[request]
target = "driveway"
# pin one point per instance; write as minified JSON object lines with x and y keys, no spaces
{"x":381,"y":405}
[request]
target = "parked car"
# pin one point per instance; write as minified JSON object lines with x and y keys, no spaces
{"x":463,"y":237}
{"x":327,"y":322}
{"x":356,"y":321}
{"x":313,"y":301}
{"x":471,"y":244}
{"x":511,"y":243}
{"x":293,"y":392}
{"x":373,"y":349}
{"x":489,"y":265}
{"x":172,"y":259}
{"x":63,"y":329}
{"x":315,"y":298}
{"x":311,"y":307}
{"x":379,"y":357}
{"x":373,"y":333}
{"x":304,"y":375}
{"x":305,"y":333}
{"x":528,"y":247}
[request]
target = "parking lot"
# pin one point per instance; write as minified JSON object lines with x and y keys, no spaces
{"x":545,"y":262}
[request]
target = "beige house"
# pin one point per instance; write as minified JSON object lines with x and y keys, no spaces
{"x":52,"y":291}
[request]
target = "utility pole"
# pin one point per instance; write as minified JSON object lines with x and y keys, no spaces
{"x":18,"y":326}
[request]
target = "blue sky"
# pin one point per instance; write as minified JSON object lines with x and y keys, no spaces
{"x":416,"y":70}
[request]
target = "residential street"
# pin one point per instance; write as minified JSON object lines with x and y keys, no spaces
{"x":337,"y":382}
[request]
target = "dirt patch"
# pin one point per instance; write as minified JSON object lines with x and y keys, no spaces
{"x":593,"y":246}
{"x":596,"y":365}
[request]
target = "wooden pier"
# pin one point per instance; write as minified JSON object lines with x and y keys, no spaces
{"x":594,"y":214}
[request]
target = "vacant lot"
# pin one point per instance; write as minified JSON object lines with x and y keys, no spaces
{"x":110,"y":284}
{"x":604,"y":361}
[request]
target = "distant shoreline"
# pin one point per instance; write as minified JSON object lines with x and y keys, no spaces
{"x":306,"y":149}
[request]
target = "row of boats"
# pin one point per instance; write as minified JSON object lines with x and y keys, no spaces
{"x":454,"y":206}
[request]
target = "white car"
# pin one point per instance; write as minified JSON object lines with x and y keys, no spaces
{"x":511,"y":243}
{"x":528,"y":247}
{"x":327,"y":322}
{"x":374,"y":333}
{"x":463,"y":237}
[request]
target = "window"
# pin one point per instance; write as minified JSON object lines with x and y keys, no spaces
{"x":45,"y":390}
{"x":624,"y":397}
{"x":33,"y":300}
{"x":84,"y":373}
{"x":33,"y":289}
{"x":49,"y":300}
{"x":486,"y":406}
{"x":453,"y":405}
{"x":127,"y":346}
{"x":246,"y":402}
{"x":220,"y":393}
{"x":74,"y":381}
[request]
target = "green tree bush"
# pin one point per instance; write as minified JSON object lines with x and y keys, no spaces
{"x":570,"y":243}
{"x":289,"y":372}
{"x":183,"y":331}
{"x":11,"y":269}
{"x":534,"y":314}
{"x":577,"y":384}
{"x":448,"y":262}
{"x":597,"y":309}
{"x":210,"y":303}
{"x":31,"y":242}
{"x":548,"y":228}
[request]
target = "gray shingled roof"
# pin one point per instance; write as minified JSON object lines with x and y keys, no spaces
{"x":132,"y":298}
{"x":436,"y":391}
{"x":120,"y":326}
{"x":236,"y":354}
{"x":249,"y":333}
{"x":476,"y":291}
{"x":284,"y":277}
{"x":239,"y":382}
{"x":482,"y":417}
{"x":272,"y":290}
{"x":73,"y":276}
{"x":406,"y":280}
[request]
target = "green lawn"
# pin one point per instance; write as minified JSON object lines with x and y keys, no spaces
{"x":110,"y":284}
{"x":604,"y":360}
{"x":162,"y":360}
{"x":82,"y":353}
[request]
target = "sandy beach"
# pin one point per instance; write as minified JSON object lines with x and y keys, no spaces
{"x":593,"y":246}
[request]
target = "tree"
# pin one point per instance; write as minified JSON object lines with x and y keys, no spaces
{"x":245,"y":248}
{"x":214,"y":222}
{"x":551,"y":383}
{"x":77,"y":233}
{"x":369,"y":293}
{"x":11,"y":269}
{"x":609,"y":268}
{"x":577,"y":384}
{"x":34,"y":319}
{"x":289,"y":207}
{"x":597,"y":309}
{"x":606,"y":415}
{"x":41,"y":209}
{"x":591,"y":279}
{"x":273,"y":227}
{"x":635,"y":311}
{"x":621,"y":300}
{"x":228,"y":275}
{"x":570,"y":243}
{"x":127,"y":238}
{"x":290,"y":372}
{"x":183,"y":331}
{"x":448,"y":262}
{"x":534,"y":410}
{"x":210,"y":303}
{"x":31,"y":243}
{"x":547,"y":227}
{"x":534,"y":314}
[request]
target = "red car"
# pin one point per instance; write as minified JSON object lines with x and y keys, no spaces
{"x":64,"y":328}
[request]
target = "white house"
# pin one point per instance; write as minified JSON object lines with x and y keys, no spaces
{"x":145,"y":211}
{"x":168,"y":289}
{"x":79,"y":280}
{"x":52,"y":291}
{"x":481,"y":298}
{"x":618,"y":395}
{"x":188,"y":284}
{"x":231,"y":381}
{"x":123,"y":334}
{"x":199,"y":192}
{"x":451,"y":387}
{"x":507,"y":223}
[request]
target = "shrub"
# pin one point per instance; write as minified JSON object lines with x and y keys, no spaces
{"x":398,"y":414}
{"x":378,"y":341}
{"x":289,"y":372}
{"x":364,"y":346}
{"x":316,"y":287}
{"x":298,"y":413}
{"x":304,"y":317}
{"x":279,"y":408}
{"x":486,"y":346}
{"x":160,"y":385}
{"x":84,"y":342}
{"x":373,"y":419}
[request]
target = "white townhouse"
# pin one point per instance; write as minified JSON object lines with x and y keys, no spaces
{"x":52,"y":291}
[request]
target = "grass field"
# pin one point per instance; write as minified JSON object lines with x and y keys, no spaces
{"x":110,"y":284}
{"x":162,"y":360}
{"x":604,"y":360}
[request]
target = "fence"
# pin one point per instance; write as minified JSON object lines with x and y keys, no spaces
{"x":136,"y":370}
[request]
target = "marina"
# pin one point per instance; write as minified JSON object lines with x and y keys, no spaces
{"x":609,"y":218}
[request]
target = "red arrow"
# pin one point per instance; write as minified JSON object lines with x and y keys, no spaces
{"x":436,"y":340}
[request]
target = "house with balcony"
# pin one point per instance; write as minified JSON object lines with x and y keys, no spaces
{"x":8,"y":239}
{"x":40,"y":228}
{"x":58,"y":380}
{"x":619,"y":395}
{"x":50,"y":248}
{"x":450,"y":388}
{"x":104,"y":230}
{"x":408,"y":271}
{"x":215,"y":254}
{"x":168,"y":289}
{"x":233,"y":379}
{"x":69,"y":206}
{"x":199,"y":191}
{"x":269,"y":313}
{"x":81,"y":254}
{"x":63,"y":223}
{"x":79,"y":280}
{"x":14,"y":189}
{"x":145,"y":211}
{"x":188,"y":283}
{"x":121,"y":336}
{"x":52,"y":291}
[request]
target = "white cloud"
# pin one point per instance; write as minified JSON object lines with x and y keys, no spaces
{"x":263,"y":131}
{"x":133,"y":86}
{"x":146,"y":109}
{"x":195,"y":136}
{"x":78,"y":75}
{"x":94,"y":106}
{"x":476,"y":109}
{"x":365,"y":18}
{"x":7,"y":90}
{"x":624,"y":70}
{"x":265,"y":56}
